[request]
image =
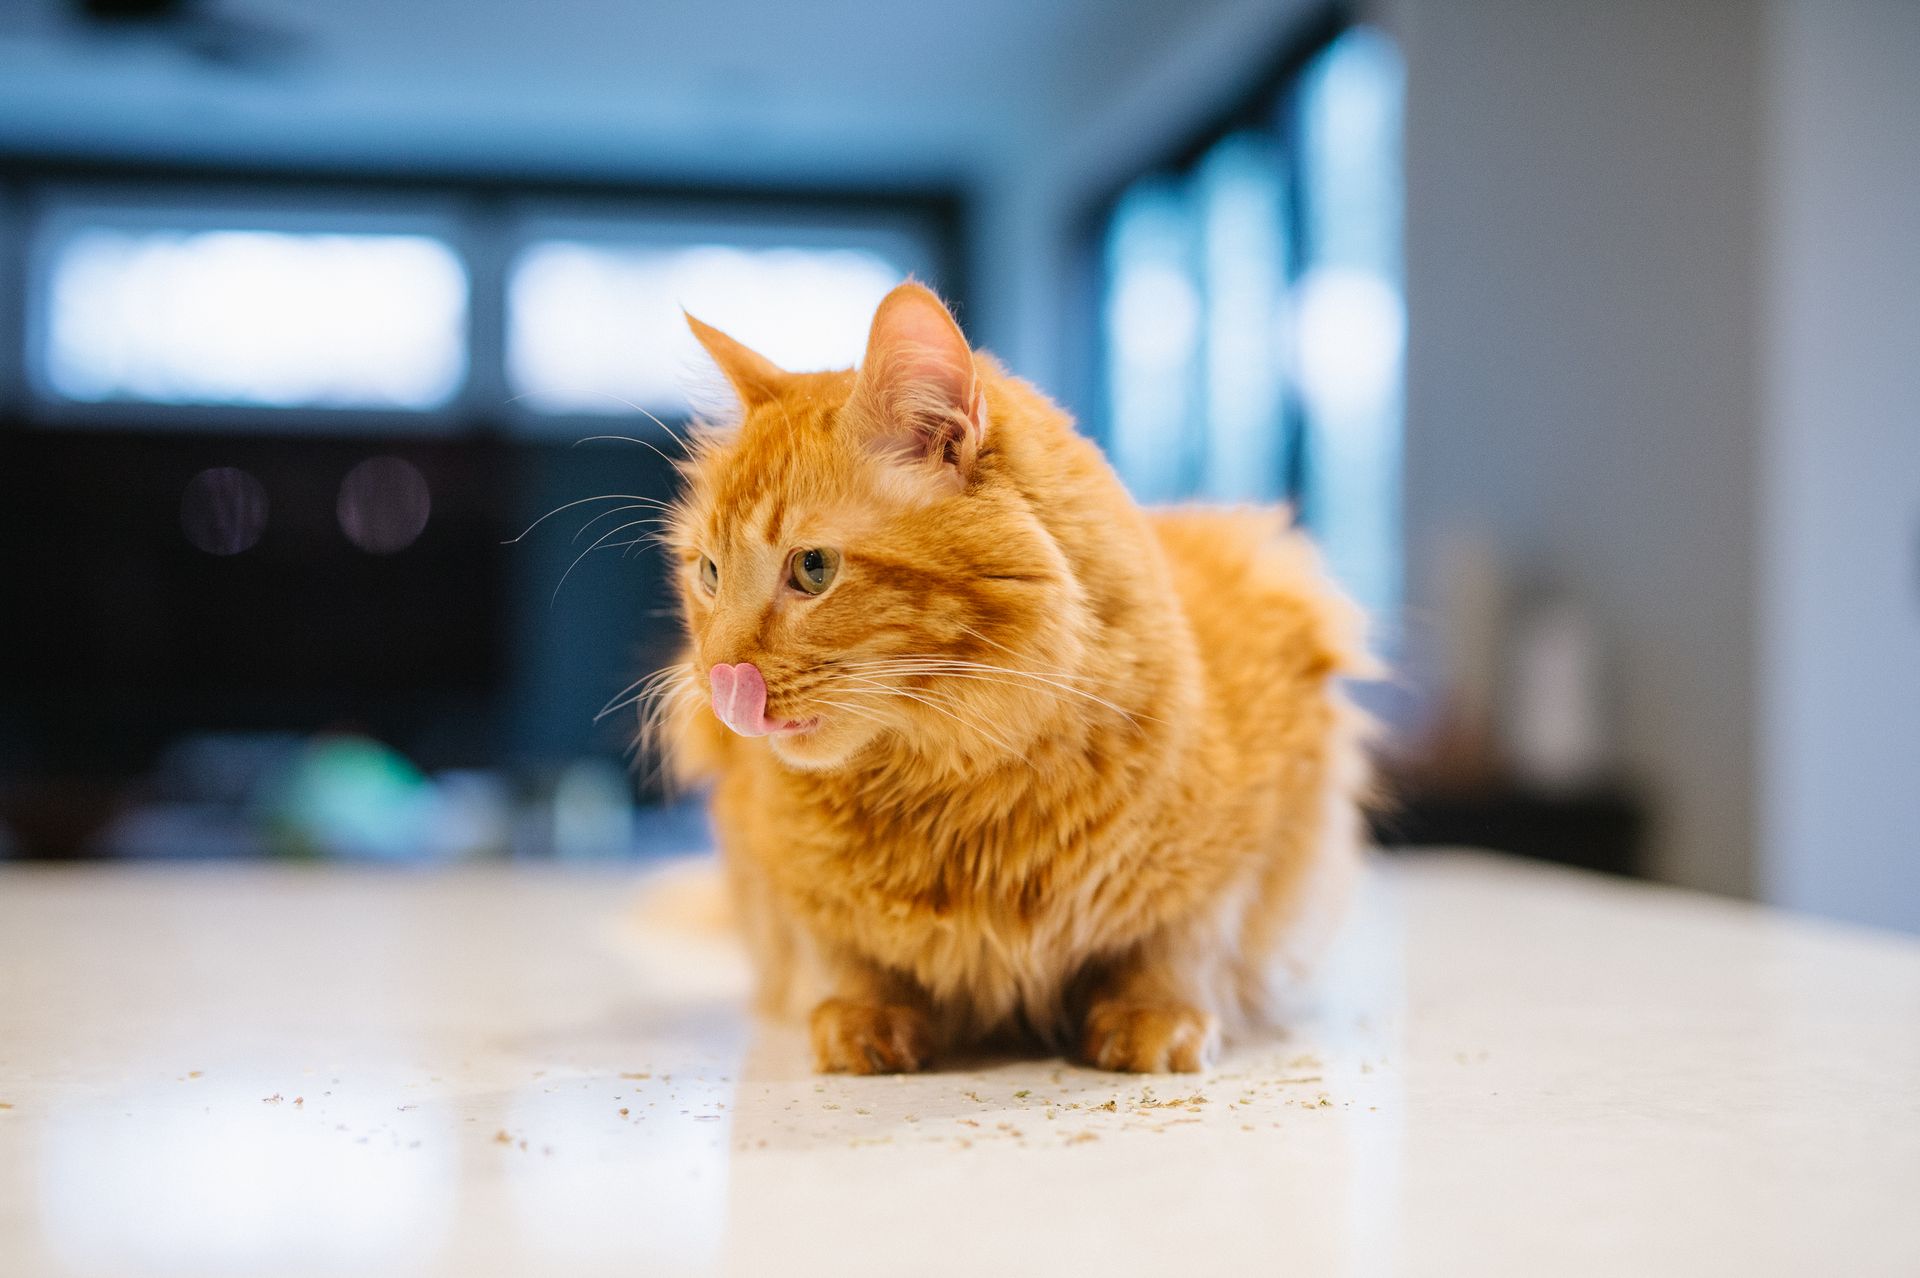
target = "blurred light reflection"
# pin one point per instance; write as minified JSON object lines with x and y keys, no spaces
{"x":384,"y":504}
{"x":597,"y":328}
{"x":223,"y":510}
{"x":158,"y":1182}
{"x":1262,"y":282}
{"x":1350,"y":317}
{"x":666,"y":1210}
{"x":1153,"y":320}
{"x":260,"y":318}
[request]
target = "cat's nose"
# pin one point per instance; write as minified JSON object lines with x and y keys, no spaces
{"x":740,"y":698}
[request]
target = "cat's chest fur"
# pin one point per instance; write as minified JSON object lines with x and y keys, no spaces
{"x":992,"y":918}
{"x":991,"y":904}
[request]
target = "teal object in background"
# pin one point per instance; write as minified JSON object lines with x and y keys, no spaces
{"x":354,"y":798}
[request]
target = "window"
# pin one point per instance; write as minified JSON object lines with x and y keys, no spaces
{"x":594,"y":320}
{"x":382,"y":307}
{"x":241,"y":316}
{"x":1349,"y":315}
{"x":1253,"y":324}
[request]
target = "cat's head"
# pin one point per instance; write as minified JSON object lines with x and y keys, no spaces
{"x":857,"y":562}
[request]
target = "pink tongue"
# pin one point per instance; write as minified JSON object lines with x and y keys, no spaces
{"x":740,"y":698}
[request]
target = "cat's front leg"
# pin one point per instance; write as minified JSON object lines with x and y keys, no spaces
{"x":873,"y":1023}
{"x":1145,"y":1013}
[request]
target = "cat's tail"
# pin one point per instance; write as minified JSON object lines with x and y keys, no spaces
{"x":686,"y":896}
{"x":680,"y":933}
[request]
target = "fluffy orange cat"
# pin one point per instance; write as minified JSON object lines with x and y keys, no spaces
{"x":996,"y":754}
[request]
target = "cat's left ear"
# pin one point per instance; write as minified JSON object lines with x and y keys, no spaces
{"x":754,"y":378}
{"x":918,"y":388}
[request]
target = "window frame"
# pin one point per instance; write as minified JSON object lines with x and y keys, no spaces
{"x":13,"y":318}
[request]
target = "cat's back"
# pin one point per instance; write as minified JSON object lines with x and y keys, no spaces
{"x":1271,"y":626}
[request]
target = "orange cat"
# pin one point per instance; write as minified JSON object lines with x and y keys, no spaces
{"x":997,"y":755}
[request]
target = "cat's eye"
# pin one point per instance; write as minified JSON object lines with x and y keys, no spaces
{"x":812,"y":570}
{"x":709,"y":575}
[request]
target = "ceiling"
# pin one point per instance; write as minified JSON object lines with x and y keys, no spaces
{"x":894,"y":90}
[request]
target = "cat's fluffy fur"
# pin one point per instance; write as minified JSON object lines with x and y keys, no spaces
{"x":1082,"y":774}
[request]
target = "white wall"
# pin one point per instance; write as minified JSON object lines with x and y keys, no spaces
{"x":1581,"y":228}
{"x":1839,"y":523}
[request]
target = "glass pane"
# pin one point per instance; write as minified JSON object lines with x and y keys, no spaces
{"x":597,"y":328}
{"x":1152,"y":322}
{"x":1243,"y":212}
{"x":257,"y":318}
{"x":1349,"y":313}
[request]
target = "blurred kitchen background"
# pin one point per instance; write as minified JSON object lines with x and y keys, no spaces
{"x":1585,"y":336}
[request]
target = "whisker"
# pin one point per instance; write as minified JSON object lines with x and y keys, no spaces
{"x":647,"y":685}
{"x":611,"y":533}
{"x":629,"y":547}
{"x":963,"y":663}
{"x":618,"y":399}
{"x":645,"y":678}
{"x":857,"y":711}
{"x":661,"y":712}
{"x":653,"y":522}
{"x":880,"y":689}
{"x":987,"y":639}
{"x":569,"y":506}
{"x":660,"y":506}
{"x":664,"y":699}
{"x":954,"y":668}
{"x":629,"y":439}
{"x":658,"y":702}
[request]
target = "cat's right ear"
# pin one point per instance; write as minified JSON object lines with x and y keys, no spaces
{"x":754,"y":378}
{"x":918,"y":392}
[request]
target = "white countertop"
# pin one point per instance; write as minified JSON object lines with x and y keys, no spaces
{"x":1512,"y":1070}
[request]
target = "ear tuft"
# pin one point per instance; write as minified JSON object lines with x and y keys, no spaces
{"x":918,"y":388}
{"x":755,"y":378}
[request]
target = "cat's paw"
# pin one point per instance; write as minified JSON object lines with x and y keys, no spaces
{"x":870,"y":1038}
{"x":1149,"y":1038}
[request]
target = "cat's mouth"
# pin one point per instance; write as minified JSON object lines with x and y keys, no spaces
{"x":740,"y":702}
